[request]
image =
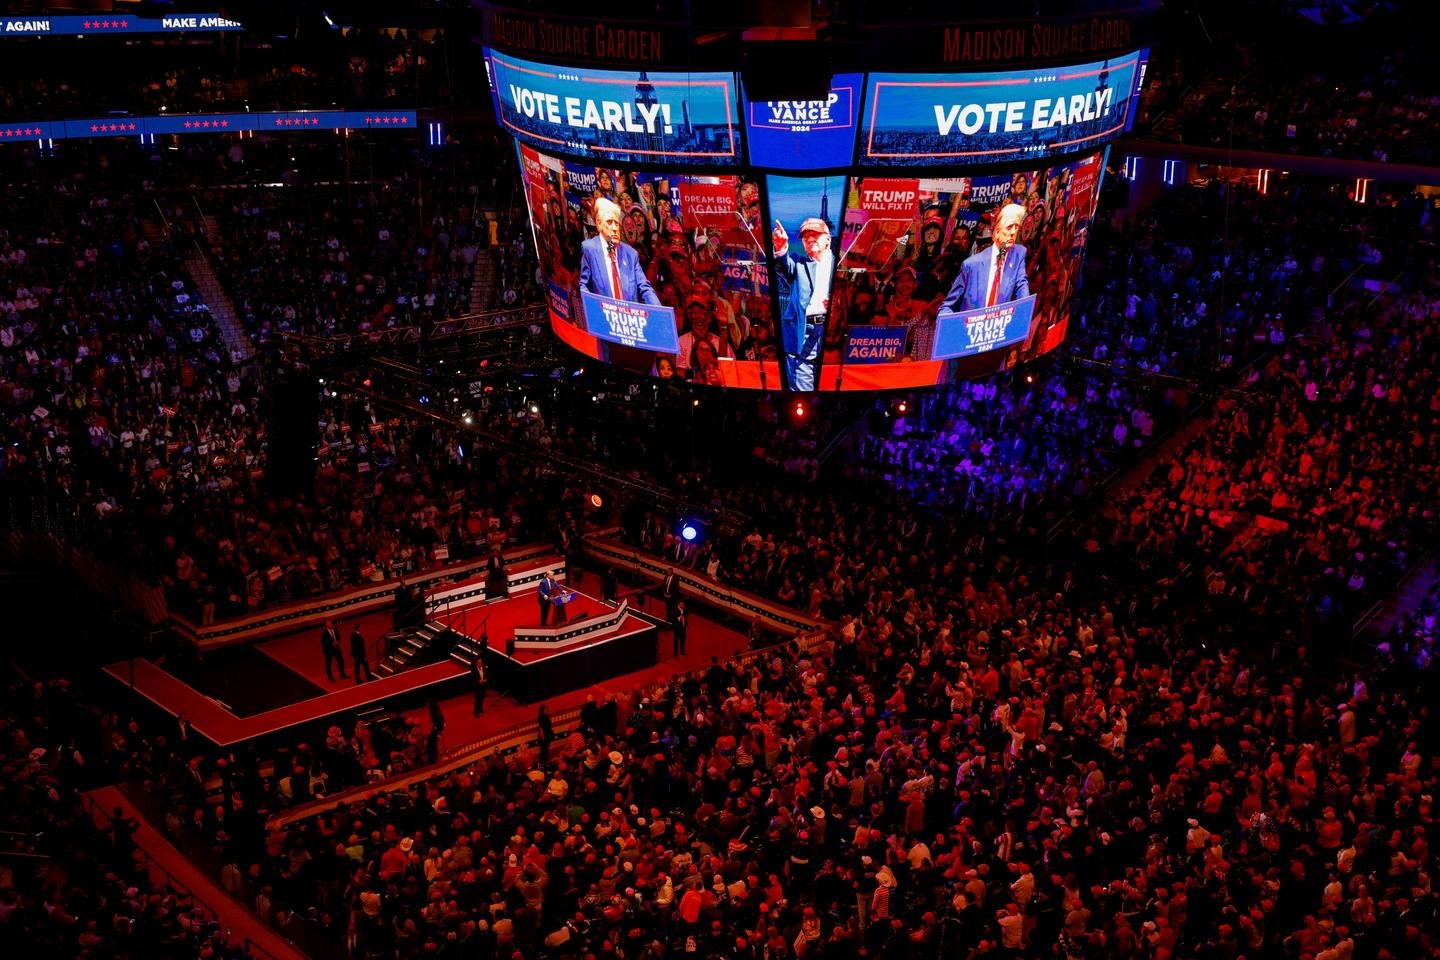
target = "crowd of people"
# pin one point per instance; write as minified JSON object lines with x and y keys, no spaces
{"x":356,"y":70}
{"x":1030,"y":758}
{"x":73,"y":884}
{"x":123,"y":402}
{"x":323,"y":261}
{"x":1360,"y":91}
{"x":1120,"y":732}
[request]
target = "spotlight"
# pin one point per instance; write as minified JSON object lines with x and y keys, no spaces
{"x":902,"y":407}
{"x":689,"y":533}
{"x":800,"y":409}
{"x":424,"y":399}
{"x":534,"y":408}
{"x":695,"y":403}
{"x":468,"y":419}
{"x":595,"y":500}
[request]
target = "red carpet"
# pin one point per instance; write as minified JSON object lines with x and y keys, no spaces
{"x":300,"y":651}
{"x":707,"y":639}
{"x":220,"y":726}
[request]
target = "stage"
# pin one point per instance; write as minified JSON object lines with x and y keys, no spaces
{"x":239,"y":694}
{"x":598,"y":641}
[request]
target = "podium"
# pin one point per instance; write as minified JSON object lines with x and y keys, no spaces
{"x":560,"y":601}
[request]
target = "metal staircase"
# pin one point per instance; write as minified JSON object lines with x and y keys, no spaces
{"x":466,"y":649}
{"x":427,"y":643}
{"x":222,"y":308}
{"x":482,"y":288}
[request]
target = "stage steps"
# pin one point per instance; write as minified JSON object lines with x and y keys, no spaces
{"x":482,"y":287}
{"x":426,"y":643}
{"x":466,"y":650}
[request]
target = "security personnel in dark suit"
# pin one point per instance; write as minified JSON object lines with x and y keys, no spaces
{"x":670,"y":592}
{"x":679,"y":624}
{"x":480,"y":677}
{"x":330,"y":646}
{"x":497,"y":581}
{"x":357,"y":654}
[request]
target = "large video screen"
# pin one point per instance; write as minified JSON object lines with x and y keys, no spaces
{"x":660,"y":273}
{"x":917,"y":119}
{"x":862,"y":241}
{"x":624,"y":116}
{"x":806,"y":134}
{"x":945,"y":279}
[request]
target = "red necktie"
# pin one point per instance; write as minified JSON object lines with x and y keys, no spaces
{"x":614,"y":274}
{"x":995,"y":279}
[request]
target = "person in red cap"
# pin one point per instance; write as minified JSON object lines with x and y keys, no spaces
{"x":802,"y":319}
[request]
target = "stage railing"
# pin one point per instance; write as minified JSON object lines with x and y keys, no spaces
{"x":103,"y":818}
{"x":524,"y":736}
{"x":304,"y":933}
{"x":699,"y":587}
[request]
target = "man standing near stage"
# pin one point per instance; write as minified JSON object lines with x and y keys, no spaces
{"x":679,"y":624}
{"x":357,"y":654}
{"x":546,"y":594}
{"x":330,"y":647}
{"x":547,"y":734}
{"x":480,"y":677}
{"x":497,"y":581}
{"x":670,"y":592}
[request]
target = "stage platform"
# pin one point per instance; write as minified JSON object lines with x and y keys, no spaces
{"x":235,"y":698}
{"x":597,"y":645}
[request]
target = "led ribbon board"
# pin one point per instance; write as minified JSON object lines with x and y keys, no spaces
{"x":177,"y":123}
{"x":637,"y":116}
{"x":922,"y":119}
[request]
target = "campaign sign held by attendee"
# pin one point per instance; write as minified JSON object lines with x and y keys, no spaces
{"x":631,"y":324}
{"x":962,"y":333}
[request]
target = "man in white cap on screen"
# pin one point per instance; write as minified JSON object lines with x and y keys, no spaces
{"x":802,"y":318}
{"x":995,"y":274}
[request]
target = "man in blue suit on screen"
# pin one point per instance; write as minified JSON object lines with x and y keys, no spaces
{"x":995,"y":274}
{"x":610,"y":267}
{"x":802,"y":318}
